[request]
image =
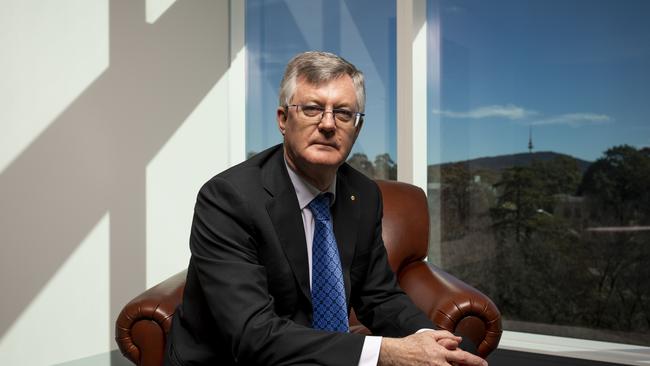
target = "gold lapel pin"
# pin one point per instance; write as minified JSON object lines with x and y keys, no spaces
{"x":353,"y":198}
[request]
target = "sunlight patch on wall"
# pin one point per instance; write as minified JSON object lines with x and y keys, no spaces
{"x":156,"y":8}
{"x":198,"y":150}
{"x":51,"y":52}
{"x":77,"y":294}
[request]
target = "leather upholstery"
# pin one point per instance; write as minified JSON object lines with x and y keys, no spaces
{"x":453,"y":305}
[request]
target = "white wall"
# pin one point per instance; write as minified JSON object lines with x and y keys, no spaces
{"x":114,"y":112}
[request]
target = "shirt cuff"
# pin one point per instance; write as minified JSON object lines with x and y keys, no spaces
{"x":425,"y":330}
{"x":370,"y":351}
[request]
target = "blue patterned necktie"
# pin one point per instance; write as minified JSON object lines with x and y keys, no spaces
{"x":327,"y":289}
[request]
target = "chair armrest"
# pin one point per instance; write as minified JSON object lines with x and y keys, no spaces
{"x":142,"y":326}
{"x":453,"y":305}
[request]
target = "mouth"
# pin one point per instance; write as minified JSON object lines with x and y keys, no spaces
{"x":327,"y":144}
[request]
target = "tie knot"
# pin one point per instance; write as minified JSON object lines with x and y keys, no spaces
{"x":320,"y":207}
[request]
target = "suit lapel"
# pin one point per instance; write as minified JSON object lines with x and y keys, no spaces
{"x":346,"y":214}
{"x":284,"y":211}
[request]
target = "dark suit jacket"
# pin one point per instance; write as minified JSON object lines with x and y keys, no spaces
{"x":247,"y":299}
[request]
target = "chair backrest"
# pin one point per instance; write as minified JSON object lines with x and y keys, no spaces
{"x":462,"y":309}
{"x":405,"y":230}
{"x":405,"y":224}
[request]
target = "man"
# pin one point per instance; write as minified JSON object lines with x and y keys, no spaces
{"x":284,"y":244}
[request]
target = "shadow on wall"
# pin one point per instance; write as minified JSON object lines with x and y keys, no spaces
{"x":92,"y":159}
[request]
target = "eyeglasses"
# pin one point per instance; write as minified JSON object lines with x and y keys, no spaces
{"x":315,"y":113}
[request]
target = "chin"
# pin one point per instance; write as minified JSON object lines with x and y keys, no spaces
{"x":330,"y":159}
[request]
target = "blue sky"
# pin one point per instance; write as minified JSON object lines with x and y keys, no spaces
{"x":576,"y":72}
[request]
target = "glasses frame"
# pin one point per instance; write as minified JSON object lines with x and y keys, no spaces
{"x":358,"y":116}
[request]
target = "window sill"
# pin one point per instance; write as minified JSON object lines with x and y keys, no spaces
{"x":624,"y":354}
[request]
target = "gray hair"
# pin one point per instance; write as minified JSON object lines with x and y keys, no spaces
{"x":318,"y":68}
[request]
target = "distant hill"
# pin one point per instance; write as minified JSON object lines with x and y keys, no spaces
{"x":499,"y":163}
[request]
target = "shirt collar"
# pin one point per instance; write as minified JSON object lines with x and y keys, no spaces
{"x":305,"y":191}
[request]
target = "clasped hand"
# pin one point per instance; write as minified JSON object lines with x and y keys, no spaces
{"x":431,"y":347}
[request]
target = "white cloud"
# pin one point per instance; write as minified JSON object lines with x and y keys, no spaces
{"x":525,"y":116}
{"x":575,"y":119}
{"x":511,"y":112}
{"x":454,"y":9}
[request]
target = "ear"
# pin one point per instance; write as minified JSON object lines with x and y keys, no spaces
{"x":281,"y":117}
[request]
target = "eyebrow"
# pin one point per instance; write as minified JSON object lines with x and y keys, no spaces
{"x":315,"y":100}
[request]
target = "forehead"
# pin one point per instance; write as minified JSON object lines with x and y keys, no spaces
{"x":340,"y":90}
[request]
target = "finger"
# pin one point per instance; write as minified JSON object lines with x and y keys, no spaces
{"x":443,"y":334}
{"x":466,"y":358}
{"x":440,"y":334}
{"x":449,"y":344}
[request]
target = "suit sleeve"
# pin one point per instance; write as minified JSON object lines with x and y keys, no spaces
{"x":234,"y":282}
{"x":381,"y":305}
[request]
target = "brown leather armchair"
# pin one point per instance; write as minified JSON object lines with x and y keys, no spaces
{"x":142,"y":326}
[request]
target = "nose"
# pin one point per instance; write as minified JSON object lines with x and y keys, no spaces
{"x":327,"y":122}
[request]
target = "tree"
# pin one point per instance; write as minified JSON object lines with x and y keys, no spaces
{"x":455,"y":200}
{"x":617,"y":186}
{"x":385,"y":167}
{"x":560,"y":175}
{"x":522,"y":197}
{"x":616,"y":190}
{"x":535,"y":248}
{"x":361,"y":163}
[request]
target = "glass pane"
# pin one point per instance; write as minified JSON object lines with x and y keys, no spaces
{"x":277,"y":30}
{"x":539,"y":179}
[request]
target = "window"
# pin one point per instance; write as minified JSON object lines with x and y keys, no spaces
{"x":277,"y":30}
{"x":540,"y":188}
